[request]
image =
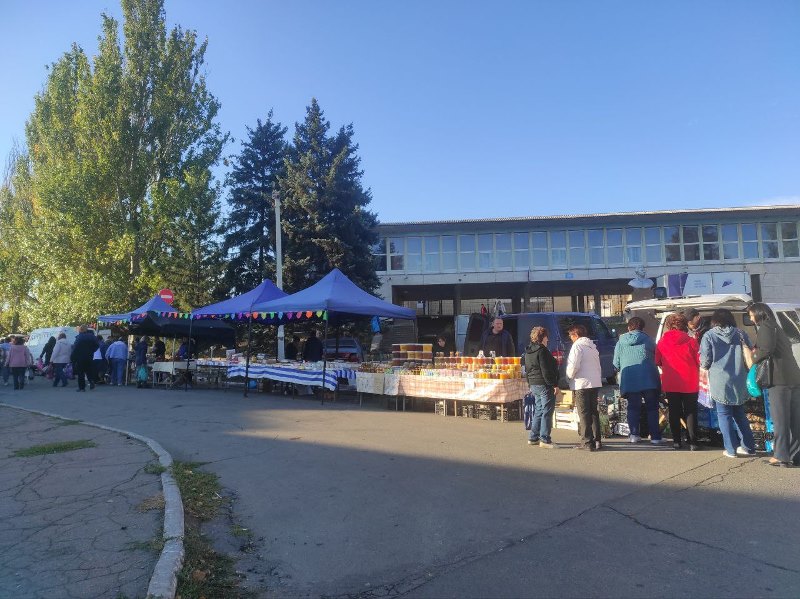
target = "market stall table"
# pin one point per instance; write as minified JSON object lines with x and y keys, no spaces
{"x":296,"y":374}
{"x":176,"y":371}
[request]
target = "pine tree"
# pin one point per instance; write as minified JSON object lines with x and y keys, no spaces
{"x":326,"y":218}
{"x":250,"y":227}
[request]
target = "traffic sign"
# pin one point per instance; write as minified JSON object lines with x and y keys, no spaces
{"x":167,"y":296}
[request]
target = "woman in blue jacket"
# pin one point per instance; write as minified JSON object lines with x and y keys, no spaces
{"x":722,"y":354}
{"x":635,"y":359}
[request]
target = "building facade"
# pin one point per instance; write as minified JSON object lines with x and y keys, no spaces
{"x":584,"y":262}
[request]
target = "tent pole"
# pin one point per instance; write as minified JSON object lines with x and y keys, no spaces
{"x":247,"y":358}
{"x":188,"y":354}
{"x":324,"y":359}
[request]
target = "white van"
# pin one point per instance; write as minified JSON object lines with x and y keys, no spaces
{"x":655,"y":311}
{"x":39,"y":337}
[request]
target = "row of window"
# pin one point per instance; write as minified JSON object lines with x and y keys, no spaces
{"x":583,"y":248}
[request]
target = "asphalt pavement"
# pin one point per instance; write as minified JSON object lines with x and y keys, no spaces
{"x":361,"y":501}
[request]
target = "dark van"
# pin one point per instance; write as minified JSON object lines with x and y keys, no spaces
{"x":557,"y":324}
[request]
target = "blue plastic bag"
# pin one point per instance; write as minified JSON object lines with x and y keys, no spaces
{"x":752,"y":386}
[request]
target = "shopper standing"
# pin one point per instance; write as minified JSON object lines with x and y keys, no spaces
{"x":722,"y":354}
{"x":698,"y":325}
{"x":584,"y":374}
{"x":312,"y":349}
{"x":635,"y":359}
{"x":5,"y":345}
{"x":541,"y":370}
{"x":678,"y":356}
{"x":784,"y":395}
{"x":60,"y":359}
{"x":82,"y":355}
{"x":140,"y":351}
{"x":19,"y":359}
{"x":117,"y":354}
{"x":47,"y":352}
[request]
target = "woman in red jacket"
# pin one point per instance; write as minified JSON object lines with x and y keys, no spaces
{"x":678,"y":356}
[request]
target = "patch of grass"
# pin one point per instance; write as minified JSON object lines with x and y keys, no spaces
{"x":60,"y":422}
{"x":201,"y":491}
{"x":240,"y":531}
{"x":153,"y":545}
{"x":51,"y":448}
{"x":205,"y":573}
{"x":156,"y":502}
{"x":154,"y":468}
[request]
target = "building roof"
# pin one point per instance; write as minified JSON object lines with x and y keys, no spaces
{"x":578,"y":219}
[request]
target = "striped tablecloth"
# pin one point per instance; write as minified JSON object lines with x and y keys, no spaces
{"x":298,"y":376}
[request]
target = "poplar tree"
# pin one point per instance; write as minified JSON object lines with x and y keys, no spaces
{"x":326,"y":219}
{"x":114,"y":146}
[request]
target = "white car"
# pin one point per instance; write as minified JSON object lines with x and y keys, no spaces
{"x":655,"y":311}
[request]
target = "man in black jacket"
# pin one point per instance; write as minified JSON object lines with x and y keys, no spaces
{"x":82,"y":356}
{"x":497,"y":340}
{"x":312,"y":350}
{"x":541,"y":370}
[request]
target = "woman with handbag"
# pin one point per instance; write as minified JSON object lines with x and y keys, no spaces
{"x":19,"y":359}
{"x":678,"y":356}
{"x":722,"y":355}
{"x":777,"y":370}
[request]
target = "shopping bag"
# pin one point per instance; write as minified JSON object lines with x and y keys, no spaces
{"x":752,"y":384}
{"x":528,"y":403}
{"x":142,"y":374}
{"x":703,"y":394}
{"x":68,"y":373}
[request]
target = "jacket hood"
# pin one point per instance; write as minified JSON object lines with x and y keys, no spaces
{"x":676,"y":337}
{"x":725,"y":333}
{"x":584,"y":341}
{"x":533,"y":348}
{"x":633,"y":338}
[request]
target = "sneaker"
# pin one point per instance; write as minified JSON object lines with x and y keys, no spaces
{"x":676,"y":446}
{"x":656,"y":441}
{"x":635,"y":438}
{"x":743,"y":451}
{"x":546,"y":444}
{"x":728,"y":455}
{"x":598,"y":445}
{"x":694,"y":447}
{"x":533,"y":441}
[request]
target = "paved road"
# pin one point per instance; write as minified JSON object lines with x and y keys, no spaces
{"x":73,"y":524}
{"x":362,"y":501}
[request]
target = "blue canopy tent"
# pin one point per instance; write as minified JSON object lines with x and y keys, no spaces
{"x":154,"y":304}
{"x":340,"y":298}
{"x":242,"y":304}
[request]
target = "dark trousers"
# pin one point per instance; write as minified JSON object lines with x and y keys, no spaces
{"x":589,"y":418}
{"x":682,"y":405}
{"x":84,"y":370}
{"x":100,"y":370}
{"x":784,"y":407}
{"x":18,"y":374}
{"x":650,"y":399}
{"x":59,"y":376}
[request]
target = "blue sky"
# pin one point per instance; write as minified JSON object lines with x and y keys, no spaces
{"x":479,"y":109}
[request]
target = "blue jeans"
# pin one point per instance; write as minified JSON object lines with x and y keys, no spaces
{"x":735,"y":428}
{"x":635,"y":398}
{"x":543,"y":408}
{"x":58,"y":370}
{"x":118,"y":371}
{"x":6,"y":373}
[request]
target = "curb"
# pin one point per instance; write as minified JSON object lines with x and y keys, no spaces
{"x":164,"y":581}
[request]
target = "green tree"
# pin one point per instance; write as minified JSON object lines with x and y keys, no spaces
{"x":114,"y":147}
{"x":327,"y":222}
{"x":250,"y":226}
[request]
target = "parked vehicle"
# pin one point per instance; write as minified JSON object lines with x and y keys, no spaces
{"x":38,"y":337}
{"x":654,"y":312}
{"x":348,"y":349}
{"x":559,"y":344}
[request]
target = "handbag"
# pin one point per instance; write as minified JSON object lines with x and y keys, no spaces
{"x":753,"y":387}
{"x":764,"y":373}
{"x":703,"y":393}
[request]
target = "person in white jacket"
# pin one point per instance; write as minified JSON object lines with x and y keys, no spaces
{"x":584,"y":374}
{"x":60,"y":358}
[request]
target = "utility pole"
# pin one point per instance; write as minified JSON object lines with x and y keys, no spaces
{"x":276,"y":199}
